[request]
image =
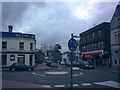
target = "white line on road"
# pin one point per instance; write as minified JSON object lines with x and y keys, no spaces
{"x":86,"y":84}
{"x":77,"y":74}
{"x":59,"y":85}
{"x":75,"y":85}
{"x":109,"y":83}
{"x":56,"y":72}
{"x":37,"y":74}
{"x":45,"y":86}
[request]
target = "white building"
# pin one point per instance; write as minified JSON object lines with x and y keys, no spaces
{"x":17,"y":48}
{"x":115,"y":36}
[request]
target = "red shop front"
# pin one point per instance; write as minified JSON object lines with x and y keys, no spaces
{"x":92,"y":57}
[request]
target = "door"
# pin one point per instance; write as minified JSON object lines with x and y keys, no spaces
{"x":4,"y":59}
{"x":30,"y":60}
{"x":21,"y":59}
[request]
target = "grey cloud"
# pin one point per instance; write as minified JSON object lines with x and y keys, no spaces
{"x":13,"y":12}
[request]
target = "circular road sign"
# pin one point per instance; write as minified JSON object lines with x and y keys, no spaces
{"x":72,"y":44}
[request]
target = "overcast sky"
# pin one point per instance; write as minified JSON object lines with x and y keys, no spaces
{"x":53,"y":22}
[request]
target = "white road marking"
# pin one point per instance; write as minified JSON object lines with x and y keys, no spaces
{"x":37,"y":74}
{"x":77,"y":74}
{"x":45,"y":86}
{"x":75,"y":68}
{"x":59,"y":85}
{"x":86,"y":84}
{"x":75,"y":85}
{"x":109,"y":83}
{"x":56,"y":72}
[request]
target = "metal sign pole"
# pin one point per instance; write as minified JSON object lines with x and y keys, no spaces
{"x":72,"y":44}
{"x":71,"y":76}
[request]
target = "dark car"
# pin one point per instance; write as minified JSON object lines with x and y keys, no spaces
{"x":19,"y":66}
{"x":85,"y":65}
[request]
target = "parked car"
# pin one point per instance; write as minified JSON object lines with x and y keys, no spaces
{"x":68,"y":63}
{"x":85,"y":65}
{"x":76,"y":64}
{"x":19,"y":66}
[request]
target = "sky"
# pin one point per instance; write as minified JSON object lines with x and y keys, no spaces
{"x":53,"y":22}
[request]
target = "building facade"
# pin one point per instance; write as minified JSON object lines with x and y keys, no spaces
{"x":95,"y":44}
{"x":115,"y":36}
{"x":17,"y":48}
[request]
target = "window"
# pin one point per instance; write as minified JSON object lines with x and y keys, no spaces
{"x":99,"y":33}
{"x":4,"y":45}
{"x":98,"y":45}
{"x":101,"y":45}
{"x":12,"y":57}
{"x":21,"y":45}
{"x":119,"y":38}
{"x":93,"y":35}
{"x":115,"y":38}
{"x":31,"y":46}
{"x":115,"y":61}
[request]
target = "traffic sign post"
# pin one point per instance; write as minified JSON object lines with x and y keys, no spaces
{"x":72,"y":45}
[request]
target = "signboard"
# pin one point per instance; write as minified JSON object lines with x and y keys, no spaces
{"x":92,"y":54}
{"x":72,"y":44}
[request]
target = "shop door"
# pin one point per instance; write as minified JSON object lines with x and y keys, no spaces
{"x":21,"y":59}
{"x":4,"y":59}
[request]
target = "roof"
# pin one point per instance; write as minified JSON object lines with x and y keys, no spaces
{"x":114,"y":21}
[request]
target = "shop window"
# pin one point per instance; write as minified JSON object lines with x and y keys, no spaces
{"x":4,"y":45}
{"x":12,"y":57}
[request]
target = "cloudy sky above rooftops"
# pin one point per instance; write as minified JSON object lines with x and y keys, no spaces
{"x":53,"y":22}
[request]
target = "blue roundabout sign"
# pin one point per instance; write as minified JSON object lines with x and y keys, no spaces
{"x":72,"y":44}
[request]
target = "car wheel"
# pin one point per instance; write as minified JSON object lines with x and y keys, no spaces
{"x":29,"y":69}
{"x":12,"y":69}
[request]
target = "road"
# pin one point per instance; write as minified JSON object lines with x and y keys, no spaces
{"x":60,"y":78}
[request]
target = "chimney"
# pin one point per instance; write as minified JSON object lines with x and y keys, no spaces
{"x":10,"y":28}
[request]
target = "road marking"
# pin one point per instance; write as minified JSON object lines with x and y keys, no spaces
{"x":56,"y":73}
{"x":45,"y":86}
{"x":75,"y":68}
{"x":77,"y":74}
{"x":109,"y":83}
{"x":59,"y":85}
{"x":75,"y":85}
{"x":37,"y":74}
{"x":86,"y":84}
